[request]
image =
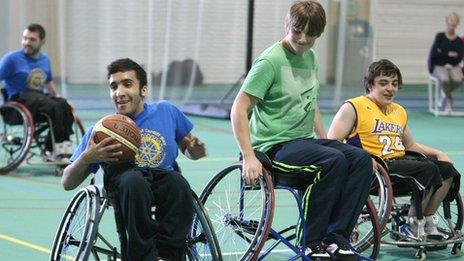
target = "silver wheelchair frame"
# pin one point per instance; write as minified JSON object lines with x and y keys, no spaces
{"x":243,"y":215}
{"x":393,"y":211}
{"x":78,"y":236}
{"x":23,"y":139}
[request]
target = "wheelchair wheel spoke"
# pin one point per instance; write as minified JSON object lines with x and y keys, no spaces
{"x":202,"y":243}
{"x":15,"y":136}
{"x":238,"y":213}
{"x":76,"y":233}
{"x":366,"y":234}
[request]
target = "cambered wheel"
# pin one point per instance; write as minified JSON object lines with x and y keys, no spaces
{"x":77,"y":229}
{"x":16,"y":134}
{"x":366,"y":234}
{"x":241,"y":214}
{"x":202,"y":243}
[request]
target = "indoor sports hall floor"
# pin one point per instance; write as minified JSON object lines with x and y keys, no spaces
{"x":32,"y":200}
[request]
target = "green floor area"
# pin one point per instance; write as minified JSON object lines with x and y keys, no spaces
{"x":32,"y":200}
{"x":95,"y":96}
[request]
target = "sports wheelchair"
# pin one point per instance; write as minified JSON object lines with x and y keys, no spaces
{"x":242,"y":216}
{"x":79,"y":237}
{"x":25,"y":138}
{"x":392,"y":193}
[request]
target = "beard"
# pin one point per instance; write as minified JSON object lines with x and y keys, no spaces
{"x":31,"y":51}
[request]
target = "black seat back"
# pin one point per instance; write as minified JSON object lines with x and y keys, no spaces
{"x":11,"y":116}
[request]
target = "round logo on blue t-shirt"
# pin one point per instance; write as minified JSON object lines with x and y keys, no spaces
{"x":36,"y":79}
{"x":152,"y":149}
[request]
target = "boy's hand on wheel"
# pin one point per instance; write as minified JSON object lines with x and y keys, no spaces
{"x":252,"y":170}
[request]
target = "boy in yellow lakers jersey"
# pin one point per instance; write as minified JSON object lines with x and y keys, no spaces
{"x":281,"y":91}
{"x":378,"y":125}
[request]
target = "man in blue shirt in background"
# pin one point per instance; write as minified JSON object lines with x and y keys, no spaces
{"x":26,"y":73}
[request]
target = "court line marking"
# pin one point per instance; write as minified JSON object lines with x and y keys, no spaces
{"x":215,"y":128}
{"x":24,"y":243}
{"x":207,"y":159}
{"x":459,"y":152}
{"x":47,"y":251}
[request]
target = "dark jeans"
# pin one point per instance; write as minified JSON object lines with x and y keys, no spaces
{"x":339,"y":178}
{"x":146,"y":234}
{"x":57,"y":109}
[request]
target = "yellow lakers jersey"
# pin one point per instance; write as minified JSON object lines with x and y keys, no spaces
{"x":378,"y":133}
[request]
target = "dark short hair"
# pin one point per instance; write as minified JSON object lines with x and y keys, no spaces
{"x":124,"y":65}
{"x":382,"y":67}
{"x":37,"y":28}
{"x":304,"y":13}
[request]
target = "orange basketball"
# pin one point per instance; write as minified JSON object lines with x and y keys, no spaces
{"x":124,"y":130}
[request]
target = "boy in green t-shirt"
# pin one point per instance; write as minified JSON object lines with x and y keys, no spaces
{"x":281,"y":91}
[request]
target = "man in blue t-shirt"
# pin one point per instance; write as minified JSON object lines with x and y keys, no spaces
{"x":26,"y":73}
{"x":152,"y":179}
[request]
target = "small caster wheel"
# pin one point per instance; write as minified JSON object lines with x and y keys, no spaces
{"x":456,"y":251}
{"x":354,"y":236}
{"x":421,"y":254}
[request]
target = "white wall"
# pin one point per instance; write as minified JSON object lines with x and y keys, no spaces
{"x":98,"y":32}
{"x":404,"y":32}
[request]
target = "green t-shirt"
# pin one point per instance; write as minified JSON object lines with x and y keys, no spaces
{"x":286,"y":86}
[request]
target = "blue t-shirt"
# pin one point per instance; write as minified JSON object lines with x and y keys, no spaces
{"x":162,"y":126}
{"x":22,"y":73}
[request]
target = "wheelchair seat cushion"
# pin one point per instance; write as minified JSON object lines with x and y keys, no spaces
{"x":296,"y":180}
